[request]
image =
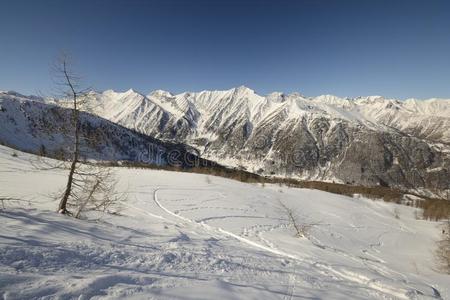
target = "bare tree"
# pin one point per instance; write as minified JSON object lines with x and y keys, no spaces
{"x":69,"y":81}
{"x":443,"y":250}
{"x":97,"y":191}
{"x":301,"y":228}
{"x":90,"y":185}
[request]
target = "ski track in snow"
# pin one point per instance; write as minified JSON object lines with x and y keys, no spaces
{"x":346,"y":275}
{"x":226,"y":240}
{"x":224,"y":232}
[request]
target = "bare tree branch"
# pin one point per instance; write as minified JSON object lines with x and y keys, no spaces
{"x":301,"y":228}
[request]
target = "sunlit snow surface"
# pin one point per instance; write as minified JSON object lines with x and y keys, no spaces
{"x":189,"y":236}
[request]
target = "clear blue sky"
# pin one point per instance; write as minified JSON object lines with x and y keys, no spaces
{"x":348,"y":48}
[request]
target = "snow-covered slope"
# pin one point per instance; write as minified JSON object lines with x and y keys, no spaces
{"x":190,"y":236}
{"x":367,"y":140}
{"x":30,"y":124}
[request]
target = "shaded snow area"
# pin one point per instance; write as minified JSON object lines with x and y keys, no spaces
{"x":190,"y":236}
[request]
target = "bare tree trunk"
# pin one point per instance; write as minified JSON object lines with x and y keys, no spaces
{"x":62,"y":209}
{"x":89,"y":197}
{"x":63,"y":203}
{"x":301,"y":229}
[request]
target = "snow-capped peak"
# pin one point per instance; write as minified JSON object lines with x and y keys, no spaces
{"x":243,"y":90}
{"x":160,"y":93}
{"x":130,"y":92}
{"x":276,"y":97}
{"x":12,"y":93}
{"x":113,"y":93}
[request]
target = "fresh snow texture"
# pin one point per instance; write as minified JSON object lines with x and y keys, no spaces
{"x":191,"y":236}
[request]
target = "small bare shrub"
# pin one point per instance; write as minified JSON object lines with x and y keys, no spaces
{"x":443,"y":250}
{"x":301,"y":229}
{"x":396,"y":213}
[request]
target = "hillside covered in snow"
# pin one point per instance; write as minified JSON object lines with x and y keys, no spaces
{"x":33,"y":125}
{"x":192,"y":236}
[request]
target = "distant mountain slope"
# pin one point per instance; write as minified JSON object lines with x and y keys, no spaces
{"x":29,"y":124}
{"x":367,"y":140}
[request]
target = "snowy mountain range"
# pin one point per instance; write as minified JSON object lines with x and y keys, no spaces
{"x":205,"y":112}
{"x":30,"y":124}
{"x":365,"y":141}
